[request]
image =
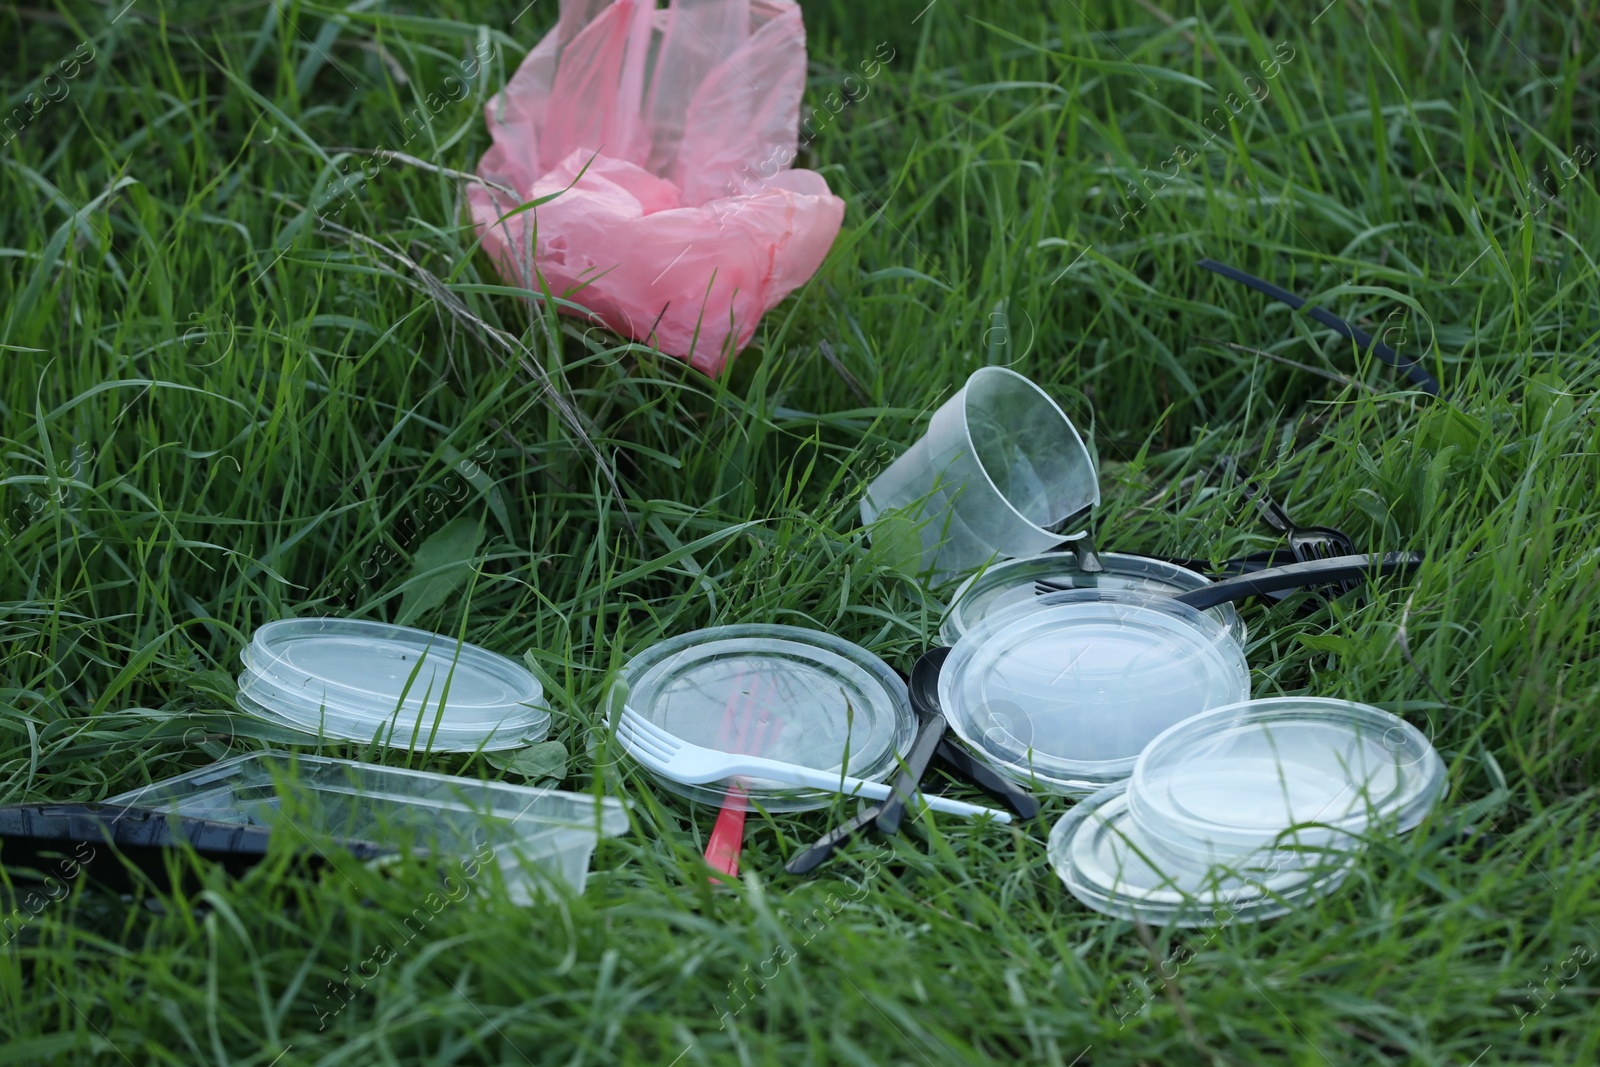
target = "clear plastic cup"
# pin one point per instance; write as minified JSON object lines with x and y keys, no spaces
{"x":1106,"y":861}
{"x":1246,"y":811}
{"x":1000,"y":472}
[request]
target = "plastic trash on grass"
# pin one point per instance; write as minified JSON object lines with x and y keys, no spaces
{"x":668,"y":136}
{"x":532,"y":835}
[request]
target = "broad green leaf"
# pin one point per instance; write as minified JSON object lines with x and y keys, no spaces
{"x":439,"y":568}
{"x":545,"y":760}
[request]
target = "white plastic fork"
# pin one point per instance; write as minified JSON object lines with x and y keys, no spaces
{"x":694,"y":765}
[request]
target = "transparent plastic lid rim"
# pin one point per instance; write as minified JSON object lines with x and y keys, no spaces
{"x":1032,"y":777}
{"x":359,"y":660}
{"x":308,"y":707}
{"x":398,"y":734}
{"x":1011,"y":584}
{"x":353,"y":679}
{"x":314,"y":699}
{"x":332,"y":693}
{"x":1104,"y":861}
{"x":1242,"y":776}
{"x":503,"y":735}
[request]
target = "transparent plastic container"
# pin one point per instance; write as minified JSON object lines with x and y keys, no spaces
{"x":783,"y":692}
{"x":1066,"y":692}
{"x":998,"y":472}
{"x":1107,"y":863}
{"x":531,"y":835}
{"x":349,"y":679}
{"x":1011,"y":584}
{"x":1318,"y":770}
{"x":1246,"y":811}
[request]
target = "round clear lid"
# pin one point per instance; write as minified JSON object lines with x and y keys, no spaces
{"x":1245,"y":775}
{"x":1070,"y":689}
{"x":346,"y":678}
{"x":421,"y":730}
{"x":1014,"y":583}
{"x":782,"y":692}
{"x":1100,"y":854}
{"x":376,"y":665}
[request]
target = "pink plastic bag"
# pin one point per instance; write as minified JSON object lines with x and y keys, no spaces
{"x":686,"y":225}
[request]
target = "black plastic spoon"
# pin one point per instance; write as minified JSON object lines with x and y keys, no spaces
{"x":930,"y":732}
{"x":1353,"y":568}
{"x":924,"y":690}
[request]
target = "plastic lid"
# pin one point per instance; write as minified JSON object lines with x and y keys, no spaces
{"x":1106,"y":862}
{"x":1070,"y":689}
{"x":347,"y":678}
{"x":261,"y":698}
{"x":1239,"y":777}
{"x":783,"y":692}
{"x":1010,"y":584}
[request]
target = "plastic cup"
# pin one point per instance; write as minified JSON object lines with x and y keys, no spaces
{"x":1000,"y":472}
{"x":1246,"y":811}
{"x":1105,"y":860}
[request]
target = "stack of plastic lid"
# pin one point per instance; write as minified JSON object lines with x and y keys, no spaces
{"x":355,"y":680}
{"x":1064,"y":694}
{"x":1012,"y":584}
{"x":1245,"y":812}
{"x":783,"y":692}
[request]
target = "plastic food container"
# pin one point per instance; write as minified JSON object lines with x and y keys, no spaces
{"x":797,"y":695}
{"x":1236,"y":778}
{"x":1011,"y":584}
{"x":1246,"y":811}
{"x":531,"y":835}
{"x":1065,"y":693}
{"x":354,"y":680}
{"x":1107,"y":863}
{"x":998,"y":471}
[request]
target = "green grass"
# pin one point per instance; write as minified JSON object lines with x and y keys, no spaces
{"x":216,"y":411}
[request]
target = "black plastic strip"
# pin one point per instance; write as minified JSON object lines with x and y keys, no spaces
{"x":1409,"y":367}
{"x":814,"y":856}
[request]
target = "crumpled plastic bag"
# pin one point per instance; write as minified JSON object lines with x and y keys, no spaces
{"x":674,"y":128}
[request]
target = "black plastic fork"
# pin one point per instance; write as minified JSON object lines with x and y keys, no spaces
{"x":1306,"y":543}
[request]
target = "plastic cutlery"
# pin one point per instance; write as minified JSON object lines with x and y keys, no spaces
{"x":924,"y":690}
{"x":695,"y":765}
{"x":1275,"y":579}
{"x":751,"y":732}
